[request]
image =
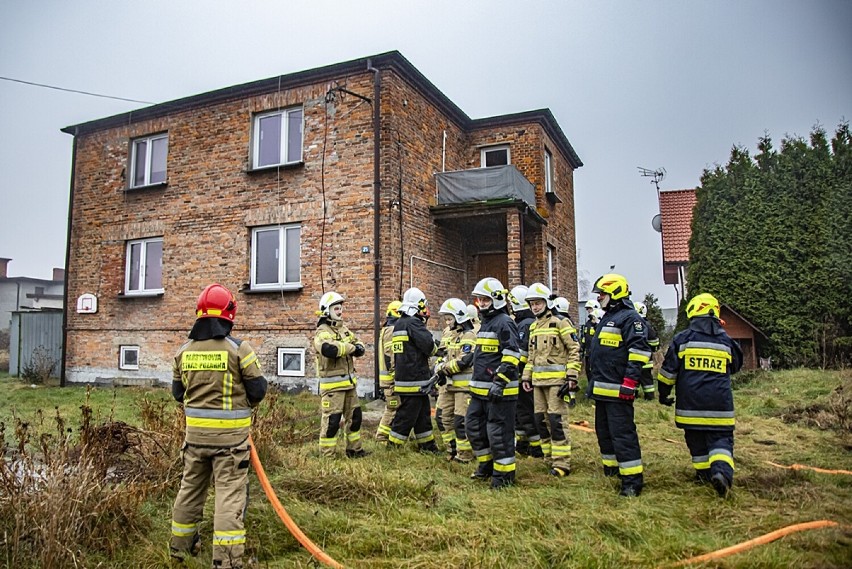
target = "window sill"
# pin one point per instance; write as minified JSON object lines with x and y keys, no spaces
{"x":296,"y":287}
{"x":275,"y":167}
{"x":125,"y":295}
{"x":157,"y":186}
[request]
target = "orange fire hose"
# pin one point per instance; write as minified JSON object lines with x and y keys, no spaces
{"x":313,"y":548}
{"x":771,"y":536}
{"x":814,"y":468}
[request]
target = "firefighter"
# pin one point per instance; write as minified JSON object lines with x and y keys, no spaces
{"x":562,"y":309}
{"x":390,"y":398}
{"x":698,"y":366}
{"x":527,"y":438}
{"x":554,"y":363}
{"x":413,"y":345}
{"x":218,"y":380}
{"x":490,"y":419}
{"x":336,"y":347}
{"x":587,"y":331}
{"x":454,"y":373}
{"x":618,"y":352}
{"x":653,"y":341}
{"x":473,"y":312}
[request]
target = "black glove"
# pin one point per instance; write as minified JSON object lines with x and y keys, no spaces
{"x":495,"y":392}
{"x":569,"y":386}
{"x":442,"y":379}
{"x":359,"y":350}
{"x":382,"y":395}
{"x":666,"y":400}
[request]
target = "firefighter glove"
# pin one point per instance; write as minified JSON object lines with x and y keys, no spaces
{"x":666,"y":400}
{"x":359,"y":350}
{"x":495,"y":392}
{"x":627,"y":392}
{"x":566,"y":388}
{"x":442,"y":379}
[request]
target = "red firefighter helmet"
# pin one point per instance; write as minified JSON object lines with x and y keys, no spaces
{"x":216,"y":301}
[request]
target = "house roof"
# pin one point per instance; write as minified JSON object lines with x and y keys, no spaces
{"x":744,"y":319}
{"x":392,"y":60}
{"x":676,"y":216}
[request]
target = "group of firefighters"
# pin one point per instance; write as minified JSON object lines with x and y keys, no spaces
{"x":506,"y":372}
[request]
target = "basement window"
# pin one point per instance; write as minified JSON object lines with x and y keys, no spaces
{"x":144,"y":270}
{"x":291,"y":362}
{"x":148,"y":160}
{"x":128,"y":357}
{"x":276,"y":258}
{"x":277,"y":138}
{"x":495,"y":155}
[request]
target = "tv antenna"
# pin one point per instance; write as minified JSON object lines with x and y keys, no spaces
{"x":655,"y":175}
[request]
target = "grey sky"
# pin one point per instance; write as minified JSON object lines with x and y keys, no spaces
{"x":659,"y":83}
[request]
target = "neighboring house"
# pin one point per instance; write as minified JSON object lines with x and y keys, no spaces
{"x":27,"y":293}
{"x":749,"y":336}
{"x":676,"y":208}
{"x":279,"y":190}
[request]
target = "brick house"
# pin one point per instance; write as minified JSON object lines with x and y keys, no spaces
{"x":676,"y":207}
{"x":278,"y":190}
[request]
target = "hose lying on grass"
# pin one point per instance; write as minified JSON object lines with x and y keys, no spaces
{"x":803,"y":467}
{"x":312,"y":548}
{"x":740,"y":547}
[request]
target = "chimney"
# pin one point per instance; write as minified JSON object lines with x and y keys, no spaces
{"x":3,"y":267}
{"x":58,"y":274}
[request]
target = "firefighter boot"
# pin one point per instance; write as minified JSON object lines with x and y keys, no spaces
{"x":360,"y":453}
{"x":721,"y":484}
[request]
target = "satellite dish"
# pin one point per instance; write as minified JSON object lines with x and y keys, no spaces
{"x":657,"y":223}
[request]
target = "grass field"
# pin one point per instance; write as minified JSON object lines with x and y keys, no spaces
{"x":395,"y":509}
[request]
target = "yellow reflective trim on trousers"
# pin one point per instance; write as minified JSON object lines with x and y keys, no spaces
{"x":325,"y":442}
{"x":218,"y":423}
{"x":664,"y":379}
{"x":183,"y":530}
{"x":484,"y":458}
{"x":722,"y":457}
{"x":609,"y":462}
{"x":715,"y":421}
{"x":504,"y":467}
{"x":631,"y":470}
{"x":701,"y":465}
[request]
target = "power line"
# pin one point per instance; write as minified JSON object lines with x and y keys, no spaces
{"x":74,"y":90}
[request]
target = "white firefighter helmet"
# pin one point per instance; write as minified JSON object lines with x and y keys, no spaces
{"x":641,"y":308}
{"x":518,"y":298}
{"x":493,"y":289}
{"x":456,"y":308}
{"x":413,"y":302}
{"x":562,"y":305}
{"x":597,"y":314}
{"x":541,"y":292}
{"x":328,"y":300}
{"x":472,"y":312}
{"x":593,"y":304}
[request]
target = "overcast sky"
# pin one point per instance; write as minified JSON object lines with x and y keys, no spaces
{"x":657,"y":83}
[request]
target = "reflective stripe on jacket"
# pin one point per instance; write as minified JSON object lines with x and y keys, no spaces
{"x":335,"y":365}
{"x":413,"y":345}
{"x":554,"y":354}
{"x":497,"y":354}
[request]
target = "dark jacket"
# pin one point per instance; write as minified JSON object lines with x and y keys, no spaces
{"x":523,"y":320}
{"x":587,"y":333}
{"x":413,"y":345}
{"x":618,"y":350}
{"x":698,"y":366}
{"x":497,"y":355}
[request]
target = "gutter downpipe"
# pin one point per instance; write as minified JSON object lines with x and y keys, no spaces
{"x":67,"y":262}
{"x":377,"y":188}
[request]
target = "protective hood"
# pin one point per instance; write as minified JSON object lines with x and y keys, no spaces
{"x":207,"y":328}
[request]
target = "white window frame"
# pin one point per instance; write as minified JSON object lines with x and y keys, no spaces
{"x":282,"y":283}
{"x":291,"y":351}
{"x":486,"y":149}
{"x":141,"y":291}
{"x":548,"y":171}
{"x":149,"y":141}
{"x":551,"y":259}
{"x":285,"y":137}
{"x":122,"y":357}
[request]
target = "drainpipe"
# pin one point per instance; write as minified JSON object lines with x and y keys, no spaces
{"x":377,"y":189}
{"x":67,"y":261}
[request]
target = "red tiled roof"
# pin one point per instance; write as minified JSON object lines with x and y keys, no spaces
{"x":676,"y":215}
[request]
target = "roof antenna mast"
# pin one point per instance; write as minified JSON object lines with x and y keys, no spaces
{"x":656,"y":176}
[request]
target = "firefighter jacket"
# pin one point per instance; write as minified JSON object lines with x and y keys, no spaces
{"x":497,"y":355}
{"x":386,"y":363}
{"x":587,"y":334}
{"x":461,"y":343}
{"x":413,"y":345}
{"x":523,"y":319}
{"x":216,"y":375}
{"x":698,"y":365}
{"x":335,"y":345}
{"x":618,"y":351}
{"x":554,"y":353}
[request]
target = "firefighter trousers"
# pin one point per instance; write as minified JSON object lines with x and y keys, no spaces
{"x":414,"y":413}
{"x":551,"y":415}
{"x":391,"y":405}
{"x":491,"y":431}
{"x":619,"y":442}
{"x":712,"y":452}
{"x":450,"y":411}
{"x":338,"y":405}
{"x":527,"y":436}
{"x":228,"y":469}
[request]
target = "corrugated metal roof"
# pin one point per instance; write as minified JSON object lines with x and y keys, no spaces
{"x":676,"y":215}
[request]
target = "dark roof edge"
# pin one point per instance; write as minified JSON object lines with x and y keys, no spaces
{"x":746,"y":320}
{"x":546,"y":119}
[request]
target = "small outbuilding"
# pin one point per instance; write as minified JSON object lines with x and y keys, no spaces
{"x":747,"y":334}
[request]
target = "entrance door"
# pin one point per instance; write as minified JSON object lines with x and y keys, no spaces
{"x":492,"y":265}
